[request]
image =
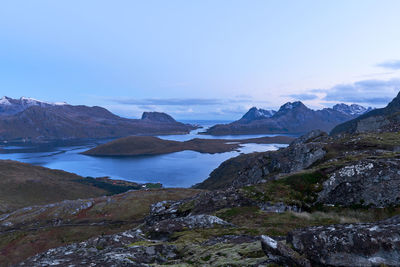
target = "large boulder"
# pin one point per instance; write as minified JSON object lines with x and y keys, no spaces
{"x":364,"y":244}
{"x":202,"y":203}
{"x":281,"y":254}
{"x":161,"y":230}
{"x":370,"y":182}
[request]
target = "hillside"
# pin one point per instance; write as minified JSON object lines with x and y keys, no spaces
{"x":148,"y":145}
{"x":379,"y":120}
{"x":23,"y":185}
{"x":39,"y":122}
{"x":291,"y":118}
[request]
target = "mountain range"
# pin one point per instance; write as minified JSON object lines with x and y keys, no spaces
{"x":291,"y":118}
{"x":379,"y":120}
{"x":31,"y":120}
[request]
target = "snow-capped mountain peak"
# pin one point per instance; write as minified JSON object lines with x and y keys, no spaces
{"x":10,"y":106}
{"x":352,"y":109}
{"x":258,"y":113}
{"x":4,"y":101}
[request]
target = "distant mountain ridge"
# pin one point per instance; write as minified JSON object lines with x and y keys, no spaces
{"x":353,"y":109}
{"x":32,"y":120}
{"x":10,"y":106}
{"x":385,"y":119}
{"x":291,"y":118}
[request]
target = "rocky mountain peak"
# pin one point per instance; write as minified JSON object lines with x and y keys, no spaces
{"x":352,"y":109}
{"x":157,"y":117}
{"x":256,"y":113}
{"x":292,"y":106}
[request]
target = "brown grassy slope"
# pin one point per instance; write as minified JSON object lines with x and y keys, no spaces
{"x":148,"y":145}
{"x":27,"y":232}
{"x":24,"y":185}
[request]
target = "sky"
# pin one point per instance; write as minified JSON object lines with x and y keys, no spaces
{"x":200,"y":59}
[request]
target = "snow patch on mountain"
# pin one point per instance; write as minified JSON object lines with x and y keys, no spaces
{"x":353,"y":109}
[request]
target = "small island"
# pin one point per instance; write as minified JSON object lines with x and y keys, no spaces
{"x":149,"y":145}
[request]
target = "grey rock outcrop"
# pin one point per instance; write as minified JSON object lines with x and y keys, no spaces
{"x":281,"y":254}
{"x":373,"y":182}
{"x":202,"y":203}
{"x":161,"y":230}
{"x":364,"y":244}
{"x":111,"y":250}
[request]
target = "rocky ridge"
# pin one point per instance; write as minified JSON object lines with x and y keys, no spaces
{"x":291,"y":118}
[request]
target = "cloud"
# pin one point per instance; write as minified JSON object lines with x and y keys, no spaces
{"x":374,"y":92}
{"x":170,"y":101}
{"x":318,"y":90}
{"x":305,"y":96}
{"x":182,"y":101}
{"x":391,"y":64}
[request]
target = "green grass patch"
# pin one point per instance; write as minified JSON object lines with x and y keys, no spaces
{"x":299,"y":189}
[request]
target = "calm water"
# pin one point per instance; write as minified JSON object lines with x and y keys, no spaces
{"x":181,"y":169}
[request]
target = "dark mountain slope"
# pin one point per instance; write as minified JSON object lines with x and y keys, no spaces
{"x":292,"y":118}
{"x":37,"y":123}
{"x":379,"y":120}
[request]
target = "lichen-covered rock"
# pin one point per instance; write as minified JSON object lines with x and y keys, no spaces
{"x":374,"y":182}
{"x":111,"y":250}
{"x":282,"y":254}
{"x":202,"y":203}
{"x":278,"y":207}
{"x":162,"y":229}
{"x":364,"y":244}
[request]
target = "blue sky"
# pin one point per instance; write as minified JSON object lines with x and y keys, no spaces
{"x":200,"y":59}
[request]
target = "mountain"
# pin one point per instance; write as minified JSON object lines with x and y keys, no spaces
{"x":378,"y":120}
{"x":34,"y":121}
{"x":257,"y":114}
{"x":157,"y":117}
{"x":353,"y":109}
{"x":10,"y":106}
{"x":291,"y":118}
